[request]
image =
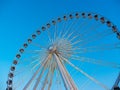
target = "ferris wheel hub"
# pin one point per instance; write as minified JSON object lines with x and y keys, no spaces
{"x":52,"y":49}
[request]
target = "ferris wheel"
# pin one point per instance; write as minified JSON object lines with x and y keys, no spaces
{"x":78,"y":51}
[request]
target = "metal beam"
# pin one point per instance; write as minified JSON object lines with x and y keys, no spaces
{"x":115,"y":86}
{"x":66,"y":78}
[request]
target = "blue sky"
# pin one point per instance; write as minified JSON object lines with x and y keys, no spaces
{"x":20,"y":18}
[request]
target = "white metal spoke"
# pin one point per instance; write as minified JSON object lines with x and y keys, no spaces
{"x":67,"y":30}
{"x":85,"y":74}
{"x":94,"y":38}
{"x":46,"y":79}
{"x":51,"y":77}
{"x":35,"y":74}
{"x":96,"y":48}
{"x":38,"y":45}
{"x":49,"y":36}
{"x":99,"y":62}
{"x":68,"y":82}
{"x":63,"y":29}
{"x":42,"y":72}
{"x":90,"y":29}
{"x":85,"y":84}
{"x":18,"y":84}
{"x":55,"y":32}
{"x":70,"y":78}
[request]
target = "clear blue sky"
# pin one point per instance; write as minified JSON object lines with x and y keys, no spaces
{"x":19,"y":18}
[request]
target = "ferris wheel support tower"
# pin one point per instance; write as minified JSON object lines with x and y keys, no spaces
{"x":116,"y":86}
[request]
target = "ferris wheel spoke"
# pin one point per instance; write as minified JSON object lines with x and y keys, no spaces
{"x":26,"y":68}
{"x":85,"y":84}
{"x":35,"y":74}
{"x":49,"y":36}
{"x":93,"y":39}
{"x":63,"y":29}
{"x":52,"y":69}
{"x":75,"y":37}
{"x":76,"y":42}
{"x":99,"y":36}
{"x":42,"y":72}
{"x":50,"y":83}
{"x":29,"y":59}
{"x":70,"y":78}
{"x":96,"y":48}
{"x":64,"y":47}
{"x":90,"y":29}
{"x":72,"y":38}
{"x":51,"y":77}
{"x":39,"y":78}
{"x":46,"y":79}
{"x":68,"y":30}
{"x":70,"y":35}
{"x":62,"y":72}
{"x":35,"y":51}
{"x":76,"y":73}
{"x":66,"y":53}
{"x":82,"y":25}
{"x":65,"y":32}
{"x":69,"y":83}
{"x":21,"y":70}
{"x":85,"y":74}
{"x":35,"y":66}
{"x":58,"y":78}
{"x":33,"y":58}
{"x":38,"y":45}
{"x":37,"y":60}
{"x":55,"y":32}
{"x":98,"y":62}
{"x":19,"y":82}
